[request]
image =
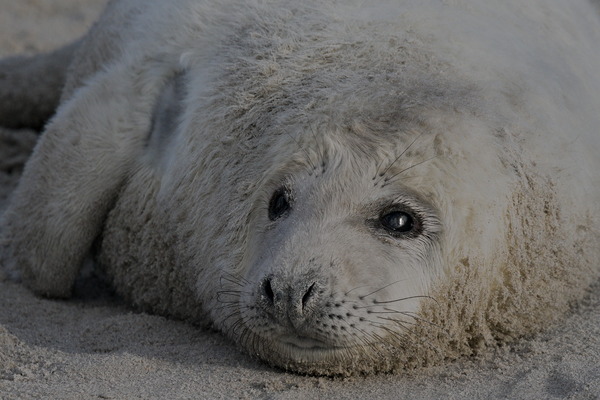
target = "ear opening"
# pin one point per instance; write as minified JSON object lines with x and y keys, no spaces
{"x":73,"y":178}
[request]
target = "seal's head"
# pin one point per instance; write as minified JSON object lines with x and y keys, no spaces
{"x":339,"y":257}
{"x":343,"y":242}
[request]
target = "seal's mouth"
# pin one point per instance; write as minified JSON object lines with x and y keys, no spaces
{"x":303,"y":342}
{"x":295,"y":352}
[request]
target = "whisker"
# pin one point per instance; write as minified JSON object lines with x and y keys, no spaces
{"x":387,"y":179}
{"x":378,"y":290}
{"x":310,"y":163}
{"x":397,"y":321}
{"x":231,"y":278}
{"x":402,"y":299}
{"x":228,"y":306}
{"x":385,"y":312}
{"x":233,"y":292}
{"x":229,"y":296}
{"x":428,"y":323}
{"x":399,"y":335}
{"x":396,"y":159}
{"x":352,"y":290}
{"x":232,"y":314}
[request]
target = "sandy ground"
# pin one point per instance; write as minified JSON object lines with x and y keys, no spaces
{"x":95,"y":347}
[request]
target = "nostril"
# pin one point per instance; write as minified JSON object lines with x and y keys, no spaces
{"x":268,"y":290}
{"x":307,"y":295}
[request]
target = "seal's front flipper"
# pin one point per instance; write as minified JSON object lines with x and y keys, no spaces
{"x":73,"y":177}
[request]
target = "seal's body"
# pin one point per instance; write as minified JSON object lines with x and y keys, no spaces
{"x":339,"y":188}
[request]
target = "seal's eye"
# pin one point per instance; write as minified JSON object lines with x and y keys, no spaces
{"x":279,"y":203}
{"x":398,"y":222}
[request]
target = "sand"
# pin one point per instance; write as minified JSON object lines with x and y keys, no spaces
{"x":95,"y":347}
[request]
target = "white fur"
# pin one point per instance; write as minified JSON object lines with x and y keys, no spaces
{"x":180,"y":119}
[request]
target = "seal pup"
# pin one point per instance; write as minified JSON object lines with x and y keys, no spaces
{"x":339,"y":188}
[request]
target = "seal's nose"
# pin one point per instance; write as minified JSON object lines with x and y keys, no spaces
{"x":289,"y":302}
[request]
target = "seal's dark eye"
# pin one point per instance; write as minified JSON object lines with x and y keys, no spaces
{"x":279,"y":203}
{"x":398,"y":222}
